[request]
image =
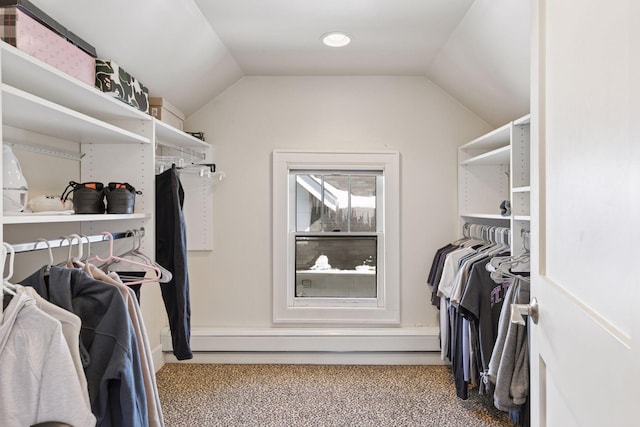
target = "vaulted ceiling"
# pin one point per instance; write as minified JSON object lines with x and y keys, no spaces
{"x":189,"y":51}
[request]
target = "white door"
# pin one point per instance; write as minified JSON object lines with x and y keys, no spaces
{"x":585,"y":361}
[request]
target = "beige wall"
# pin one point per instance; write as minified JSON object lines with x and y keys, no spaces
{"x":231,"y":285}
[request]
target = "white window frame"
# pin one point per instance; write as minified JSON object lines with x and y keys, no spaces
{"x":287,"y":308}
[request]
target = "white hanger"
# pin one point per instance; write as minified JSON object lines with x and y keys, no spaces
{"x":71,"y":237}
{"x":46,"y":242}
{"x":6,"y":286}
{"x":8,"y":248}
{"x":88,"y":247}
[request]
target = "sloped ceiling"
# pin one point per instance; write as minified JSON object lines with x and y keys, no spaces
{"x":189,"y":51}
{"x":168,"y":45}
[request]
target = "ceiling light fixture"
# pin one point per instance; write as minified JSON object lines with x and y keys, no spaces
{"x":336,"y":39}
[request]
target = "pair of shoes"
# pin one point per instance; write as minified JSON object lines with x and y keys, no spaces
{"x":89,"y":197}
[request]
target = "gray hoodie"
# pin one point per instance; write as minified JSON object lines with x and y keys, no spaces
{"x":509,"y":365}
{"x":39,"y":381}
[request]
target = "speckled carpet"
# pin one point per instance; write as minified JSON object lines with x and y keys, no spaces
{"x":197,"y":395}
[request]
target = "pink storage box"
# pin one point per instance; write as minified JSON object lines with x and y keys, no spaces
{"x":20,"y":30}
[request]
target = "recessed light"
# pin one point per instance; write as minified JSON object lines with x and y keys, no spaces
{"x":336,"y":39}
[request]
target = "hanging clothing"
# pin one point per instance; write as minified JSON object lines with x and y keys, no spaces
{"x":154,"y":408}
{"x":171,"y":252}
{"x":447,"y":329}
{"x":482,"y":303}
{"x":71,"y":327}
{"x":114,"y":377}
{"x":509,"y":364}
{"x":435,"y":273}
{"x":43,"y":384}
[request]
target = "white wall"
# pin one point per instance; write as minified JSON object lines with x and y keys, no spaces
{"x":231,"y":285}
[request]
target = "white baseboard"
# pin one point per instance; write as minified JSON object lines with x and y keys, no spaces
{"x":158,"y":358}
{"x":419,"y":345}
{"x":315,"y":358}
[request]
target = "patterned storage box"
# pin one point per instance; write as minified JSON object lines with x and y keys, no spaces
{"x":22,"y":31}
{"x":113,"y":79}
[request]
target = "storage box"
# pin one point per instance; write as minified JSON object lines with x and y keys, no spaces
{"x":22,"y":31}
{"x":163,"y":110}
{"x":34,"y":12}
{"x":82,"y":44}
{"x":113,"y":79}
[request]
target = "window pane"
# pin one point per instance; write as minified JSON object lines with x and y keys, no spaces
{"x":336,"y":267}
{"x":308,"y":202}
{"x":363,"y":203}
{"x":336,"y":203}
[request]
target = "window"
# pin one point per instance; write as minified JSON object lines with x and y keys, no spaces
{"x":336,"y":237}
{"x":336,"y":242}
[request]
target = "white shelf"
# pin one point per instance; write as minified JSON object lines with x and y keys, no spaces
{"x":526,"y":189}
{"x":525,"y":120}
{"x":42,"y":219}
{"x":494,"y":139}
{"x":496,"y":157}
{"x":169,"y":136}
{"x":26,"y":111}
{"x":485,"y":216}
{"x":522,"y":217}
{"x":27,"y":73}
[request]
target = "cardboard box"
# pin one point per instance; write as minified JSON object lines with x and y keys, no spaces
{"x":114,"y":80}
{"x":163,"y":110}
{"x":27,"y":34}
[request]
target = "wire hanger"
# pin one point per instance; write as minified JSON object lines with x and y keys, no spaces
{"x":127,"y":261}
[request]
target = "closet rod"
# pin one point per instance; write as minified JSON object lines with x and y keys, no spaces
{"x":66,"y":241}
{"x":184,"y":150}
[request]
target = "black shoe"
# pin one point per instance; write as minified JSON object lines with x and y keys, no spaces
{"x":121,"y":198}
{"x":88,"y":197}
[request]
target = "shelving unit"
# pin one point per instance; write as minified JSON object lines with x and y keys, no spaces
{"x":102,"y":138}
{"x":44,"y":107}
{"x":494,"y":168}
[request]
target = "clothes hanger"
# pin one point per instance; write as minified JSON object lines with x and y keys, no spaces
{"x":127,"y":261}
{"x":465,"y":235}
{"x":68,"y":262}
{"x":88,"y":248}
{"x":10,"y":287}
{"x":46,"y":242}
{"x":79,"y":257}
{"x":165,"y":277}
{"x":7,"y":287}
{"x":77,"y":261}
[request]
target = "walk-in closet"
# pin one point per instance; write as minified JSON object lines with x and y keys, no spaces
{"x":250,"y":213}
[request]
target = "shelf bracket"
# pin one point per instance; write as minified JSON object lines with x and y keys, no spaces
{"x":45,"y":150}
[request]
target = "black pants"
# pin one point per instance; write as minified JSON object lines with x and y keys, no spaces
{"x":171,"y":253}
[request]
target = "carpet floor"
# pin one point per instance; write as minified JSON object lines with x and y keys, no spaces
{"x":207,"y":395}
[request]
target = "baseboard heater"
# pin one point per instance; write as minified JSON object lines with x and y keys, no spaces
{"x":369,"y":340}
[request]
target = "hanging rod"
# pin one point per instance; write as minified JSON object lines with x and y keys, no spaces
{"x":34,"y":148}
{"x":487,"y":233}
{"x":190,"y":151}
{"x":67,"y":241}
